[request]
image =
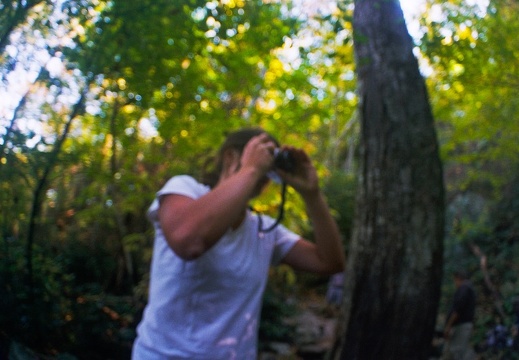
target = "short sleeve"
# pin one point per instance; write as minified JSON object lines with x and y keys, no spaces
{"x":284,"y":240}
{"x":181,"y":185}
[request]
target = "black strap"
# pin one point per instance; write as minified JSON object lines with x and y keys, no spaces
{"x":280,"y":214}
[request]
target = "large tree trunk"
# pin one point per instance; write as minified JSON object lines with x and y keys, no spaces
{"x":394,"y":269}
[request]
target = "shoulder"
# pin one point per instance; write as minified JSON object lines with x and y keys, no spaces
{"x":180,"y":185}
{"x":466,"y":291}
{"x":183,"y":185}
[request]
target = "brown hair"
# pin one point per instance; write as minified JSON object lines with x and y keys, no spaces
{"x":235,"y":140}
{"x":461,"y":274}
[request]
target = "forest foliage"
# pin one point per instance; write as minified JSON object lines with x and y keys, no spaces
{"x":103,"y":101}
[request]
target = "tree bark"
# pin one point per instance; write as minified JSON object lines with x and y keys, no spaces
{"x":394,"y":269}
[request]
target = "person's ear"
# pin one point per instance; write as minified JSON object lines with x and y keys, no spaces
{"x":231,"y":161}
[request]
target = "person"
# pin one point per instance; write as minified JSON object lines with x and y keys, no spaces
{"x":459,"y":324}
{"x":334,"y":292}
{"x":498,"y":337}
{"x":211,"y":254}
{"x":514,"y":331}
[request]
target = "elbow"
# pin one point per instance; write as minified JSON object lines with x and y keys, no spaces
{"x":187,"y":254}
{"x":340,"y":267}
{"x":336,"y":268}
{"x":185,"y":245}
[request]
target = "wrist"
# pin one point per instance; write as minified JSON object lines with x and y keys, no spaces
{"x":311,"y":195}
{"x":252,"y":173}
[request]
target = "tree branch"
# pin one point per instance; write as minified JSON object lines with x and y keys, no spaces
{"x":37,"y":202}
{"x":483,"y":265}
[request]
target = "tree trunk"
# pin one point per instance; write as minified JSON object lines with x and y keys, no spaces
{"x":393,"y":275}
{"x":40,"y":190}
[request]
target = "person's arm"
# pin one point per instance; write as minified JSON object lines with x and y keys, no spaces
{"x":326,"y":254}
{"x":193,"y":226}
{"x":450,"y":322}
{"x":458,"y":303}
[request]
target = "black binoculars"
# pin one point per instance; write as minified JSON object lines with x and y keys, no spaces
{"x":284,"y":160}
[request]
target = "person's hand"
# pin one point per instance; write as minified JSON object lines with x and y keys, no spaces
{"x":304,"y":178}
{"x":447,"y":333}
{"x":258,"y":153}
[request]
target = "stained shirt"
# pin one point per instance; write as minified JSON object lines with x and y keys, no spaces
{"x":208,"y":308}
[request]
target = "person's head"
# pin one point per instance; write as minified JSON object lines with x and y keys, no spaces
{"x":460,"y":276}
{"x":230,"y":152}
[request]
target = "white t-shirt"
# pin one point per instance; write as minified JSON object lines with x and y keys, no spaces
{"x":208,"y":308}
